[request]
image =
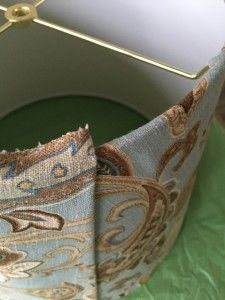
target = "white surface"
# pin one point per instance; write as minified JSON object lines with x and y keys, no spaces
{"x":38,"y":63}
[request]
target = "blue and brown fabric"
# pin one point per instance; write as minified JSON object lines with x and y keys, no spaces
{"x":80,"y":222}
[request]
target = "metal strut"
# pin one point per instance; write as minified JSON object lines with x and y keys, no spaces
{"x":28,"y":12}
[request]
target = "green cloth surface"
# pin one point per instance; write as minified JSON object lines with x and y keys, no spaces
{"x":195,"y":267}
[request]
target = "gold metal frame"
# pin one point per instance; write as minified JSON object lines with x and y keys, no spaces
{"x":24,"y":12}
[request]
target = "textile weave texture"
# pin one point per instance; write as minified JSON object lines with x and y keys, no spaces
{"x":79,"y":222}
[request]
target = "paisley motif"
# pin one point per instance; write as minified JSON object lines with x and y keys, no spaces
{"x":24,"y":219}
{"x":154,"y":199}
{"x":179,"y":114}
{"x":65,"y":291}
{"x":183,"y":147}
{"x":45,"y":188}
{"x":112,"y":161}
{"x":13,"y":264}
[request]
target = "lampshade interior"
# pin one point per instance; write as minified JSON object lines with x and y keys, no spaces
{"x":39,"y":63}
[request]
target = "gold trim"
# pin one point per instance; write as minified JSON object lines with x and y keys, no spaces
{"x":5,"y":26}
{"x":24,"y":12}
{"x":21,"y":12}
{"x":3,"y":8}
{"x":38,"y":2}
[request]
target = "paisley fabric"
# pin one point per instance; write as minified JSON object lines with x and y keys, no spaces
{"x":79,"y":222}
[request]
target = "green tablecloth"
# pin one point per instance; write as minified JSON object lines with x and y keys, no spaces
{"x":195,"y":267}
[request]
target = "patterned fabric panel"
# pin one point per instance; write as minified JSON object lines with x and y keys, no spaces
{"x":83,"y":223}
{"x":144,"y":183}
{"x":47,"y":221}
